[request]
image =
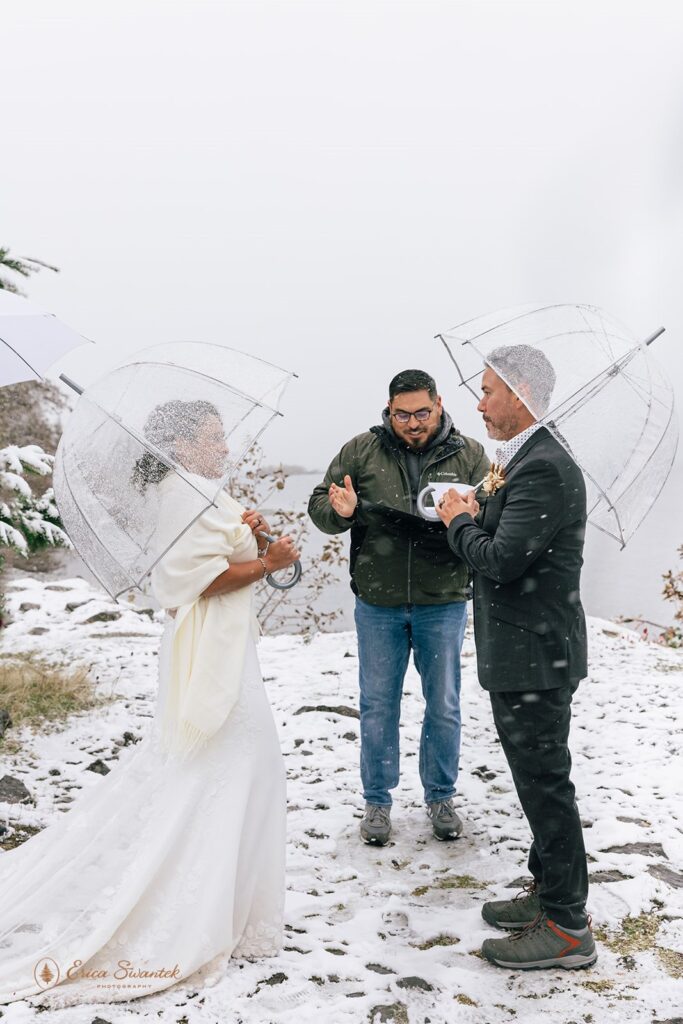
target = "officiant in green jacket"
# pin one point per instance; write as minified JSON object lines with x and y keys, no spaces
{"x":411,"y":590}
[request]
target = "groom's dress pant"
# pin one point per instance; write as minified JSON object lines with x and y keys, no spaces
{"x":534,"y":731}
{"x":386,"y":637}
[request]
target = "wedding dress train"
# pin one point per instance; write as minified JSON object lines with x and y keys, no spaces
{"x":159,"y":871}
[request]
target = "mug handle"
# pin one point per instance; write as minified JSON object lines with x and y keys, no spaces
{"x":426,"y":511}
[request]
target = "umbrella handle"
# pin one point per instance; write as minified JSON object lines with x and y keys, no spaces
{"x":296,"y":566}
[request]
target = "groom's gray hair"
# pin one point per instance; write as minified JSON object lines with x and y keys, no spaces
{"x":528,"y":372}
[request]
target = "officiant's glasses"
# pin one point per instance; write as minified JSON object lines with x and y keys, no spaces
{"x":421,"y":415}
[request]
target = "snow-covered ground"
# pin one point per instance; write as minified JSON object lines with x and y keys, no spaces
{"x":393,"y":934}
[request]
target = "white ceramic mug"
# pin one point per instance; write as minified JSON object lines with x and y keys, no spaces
{"x":437,"y":490}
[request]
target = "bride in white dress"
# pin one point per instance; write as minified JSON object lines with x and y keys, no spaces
{"x":174,"y":862}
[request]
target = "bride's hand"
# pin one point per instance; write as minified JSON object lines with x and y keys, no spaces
{"x":281,"y":554}
{"x":256,"y":521}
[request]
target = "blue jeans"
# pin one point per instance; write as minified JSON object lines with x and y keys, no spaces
{"x":434,"y":633}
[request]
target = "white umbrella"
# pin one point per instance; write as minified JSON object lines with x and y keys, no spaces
{"x":30,"y":339}
{"x":597,"y":389}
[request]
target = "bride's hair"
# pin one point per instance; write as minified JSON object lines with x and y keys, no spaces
{"x":168,"y":423}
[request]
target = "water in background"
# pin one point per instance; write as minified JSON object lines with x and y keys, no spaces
{"x":614,"y":582}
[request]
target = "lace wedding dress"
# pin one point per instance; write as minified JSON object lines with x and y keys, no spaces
{"x":160,"y":872}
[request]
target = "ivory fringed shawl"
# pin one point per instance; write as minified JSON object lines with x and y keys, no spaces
{"x":210,"y":635}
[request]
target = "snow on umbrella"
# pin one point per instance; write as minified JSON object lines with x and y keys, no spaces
{"x":598,"y":390}
{"x":30,"y":340}
{"x":189,"y":409}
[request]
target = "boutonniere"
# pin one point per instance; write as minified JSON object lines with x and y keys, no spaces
{"x":494,"y":479}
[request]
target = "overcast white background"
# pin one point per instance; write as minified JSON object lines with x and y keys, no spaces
{"x":328,"y":184}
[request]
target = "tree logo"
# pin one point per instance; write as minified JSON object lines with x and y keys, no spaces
{"x":46,"y":972}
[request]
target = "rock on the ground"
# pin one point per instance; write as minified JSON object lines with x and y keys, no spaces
{"x":13,"y":791}
{"x":5,"y":721}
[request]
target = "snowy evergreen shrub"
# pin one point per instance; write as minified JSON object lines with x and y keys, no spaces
{"x":27,"y":522}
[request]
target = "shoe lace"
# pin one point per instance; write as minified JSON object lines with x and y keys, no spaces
{"x":444,"y":809}
{"x":527,"y":890}
{"x":537,"y":923}
{"x":378,"y":815}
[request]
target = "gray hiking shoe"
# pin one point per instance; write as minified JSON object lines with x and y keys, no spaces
{"x":445,"y":822}
{"x":543,"y":944}
{"x":376,"y":824}
{"x":518,"y":912}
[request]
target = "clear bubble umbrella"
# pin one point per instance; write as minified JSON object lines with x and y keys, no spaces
{"x":599,"y":391}
{"x":189,"y":409}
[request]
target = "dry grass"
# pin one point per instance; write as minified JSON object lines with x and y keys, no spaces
{"x":603,"y":985}
{"x":465,"y":999}
{"x":35,"y":692}
{"x":671,"y":961}
{"x":439,"y":940}
{"x":19,"y":834}
{"x":451,"y":882}
{"x":639,"y":935}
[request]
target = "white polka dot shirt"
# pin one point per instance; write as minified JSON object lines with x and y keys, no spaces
{"x":506,"y":451}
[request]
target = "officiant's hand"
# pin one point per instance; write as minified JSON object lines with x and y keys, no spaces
{"x":343,"y":499}
{"x":281,"y":554}
{"x":256,"y":521}
{"x":453,"y":504}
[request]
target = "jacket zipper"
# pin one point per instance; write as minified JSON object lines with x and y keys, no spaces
{"x":434,"y":462}
{"x":408,"y":491}
{"x":406,"y":479}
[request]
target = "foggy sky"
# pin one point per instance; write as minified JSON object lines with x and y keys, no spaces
{"x":329,"y":184}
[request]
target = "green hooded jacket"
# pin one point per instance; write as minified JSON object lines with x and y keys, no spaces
{"x":396,"y":556}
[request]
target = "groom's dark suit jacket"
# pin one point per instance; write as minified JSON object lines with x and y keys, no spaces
{"x":526,"y":551}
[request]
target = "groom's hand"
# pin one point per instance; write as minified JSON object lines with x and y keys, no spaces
{"x":473,"y":505}
{"x":343,"y":499}
{"x":453,"y":504}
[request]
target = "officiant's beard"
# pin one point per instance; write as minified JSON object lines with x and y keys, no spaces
{"x":418,"y":441}
{"x":420,"y":438}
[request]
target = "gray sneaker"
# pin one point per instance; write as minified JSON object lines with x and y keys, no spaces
{"x":445,"y":822}
{"x":543,"y":944}
{"x":376,"y":824}
{"x":518,"y":912}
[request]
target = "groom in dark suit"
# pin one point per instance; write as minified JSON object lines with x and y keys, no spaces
{"x":525,"y":548}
